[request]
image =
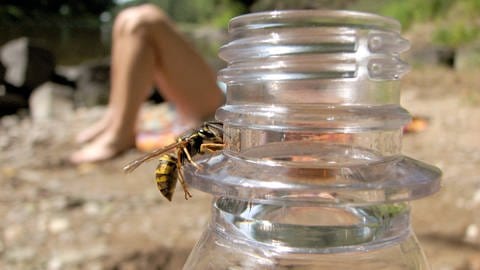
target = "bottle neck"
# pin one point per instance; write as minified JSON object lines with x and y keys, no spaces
{"x":311,"y":228}
{"x":313,"y":106}
{"x":305,"y":75}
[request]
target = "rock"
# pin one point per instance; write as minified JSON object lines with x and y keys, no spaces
{"x":2,"y":72}
{"x":468,"y":56}
{"x":11,"y":103}
{"x":51,"y":101}
{"x":10,"y":122}
{"x":476,"y":198}
{"x":27,"y":65}
{"x":91,"y":81}
{"x":20,"y":254}
{"x":93,"y":84}
{"x":430,"y":55}
{"x":54,"y":264}
{"x":58,"y":225}
{"x":68,"y":257}
{"x":72,"y":73}
{"x":91,"y":208}
{"x":8,"y":172}
{"x":472,"y":234}
{"x":12,"y":234}
{"x":53,"y":203}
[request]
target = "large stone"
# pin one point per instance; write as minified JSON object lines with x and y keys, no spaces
{"x":51,"y":101}
{"x":2,"y":72}
{"x":27,"y":65}
{"x":11,"y":100}
{"x":430,"y":55}
{"x":93,"y":83}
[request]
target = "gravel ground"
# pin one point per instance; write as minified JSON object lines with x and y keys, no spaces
{"x":58,"y":216}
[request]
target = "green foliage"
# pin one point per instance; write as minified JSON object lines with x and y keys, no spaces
{"x":460,"y":25}
{"x":225,"y":12}
{"x":408,"y":12}
{"x":12,"y":12}
{"x":457,"y":21}
{"x":456,"y":34}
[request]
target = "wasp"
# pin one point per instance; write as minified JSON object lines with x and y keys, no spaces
{"x":206,"y":139}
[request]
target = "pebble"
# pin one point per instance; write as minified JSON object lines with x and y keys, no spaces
{"x":65,"y":257}
{"x":471,"y":233}
{"x":71,"y":256}
{"x":31,"y":176}
{"x":8,"y":172}
{"x":4,"y":142}
{"x":12,"y":233}
{"x":86,"y":168}
{"x":58,"y":225}
{"x":476,"y":198}
{"x":54,"y":264}
{"x":55,"y":203}
{"x":95,"y":266}
{"x":20,"y":254}
{"x":41,"y":224}
{"x":10,"y":121}
{"x":91,"y":208}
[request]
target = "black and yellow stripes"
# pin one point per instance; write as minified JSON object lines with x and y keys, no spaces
{"x":166,"y":175}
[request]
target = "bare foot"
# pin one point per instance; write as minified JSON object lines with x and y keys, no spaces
{"x":105,"y":146}
{"x":93,"y":131}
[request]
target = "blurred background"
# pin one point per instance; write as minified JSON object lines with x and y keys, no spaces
{"x":57,"y":216}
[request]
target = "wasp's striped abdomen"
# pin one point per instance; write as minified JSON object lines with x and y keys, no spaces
{"x":166,"y":175}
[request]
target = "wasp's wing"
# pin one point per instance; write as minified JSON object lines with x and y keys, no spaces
{"x":137,"y":162}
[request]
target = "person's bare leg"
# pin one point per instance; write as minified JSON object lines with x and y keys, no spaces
{"x":184,"y":77}
{"x":147,"y":46}
{"x":131,"y":79}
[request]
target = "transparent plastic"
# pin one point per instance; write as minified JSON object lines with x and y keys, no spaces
{"x":312,"y":175}
{"x":244,"y":235}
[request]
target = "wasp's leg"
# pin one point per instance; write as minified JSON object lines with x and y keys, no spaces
{"x":211,"y":147}
{"x":189,"y":158}
{"x":181,"y":179}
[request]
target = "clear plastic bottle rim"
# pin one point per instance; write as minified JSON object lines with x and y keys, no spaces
{"x":278,"y":18}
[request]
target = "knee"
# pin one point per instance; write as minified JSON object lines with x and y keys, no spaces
{"x":139,"y":19}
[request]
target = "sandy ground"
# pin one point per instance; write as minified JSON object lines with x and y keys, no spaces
{"x":57,"y":216}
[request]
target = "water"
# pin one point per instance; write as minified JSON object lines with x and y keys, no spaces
{"x":246,"y":235}
{"x":309,"y":228}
